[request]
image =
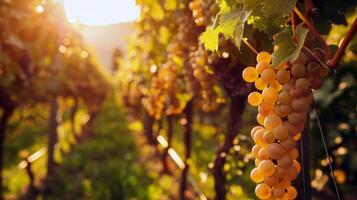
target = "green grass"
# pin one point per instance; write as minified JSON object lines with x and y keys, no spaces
{"x":104,"y":166}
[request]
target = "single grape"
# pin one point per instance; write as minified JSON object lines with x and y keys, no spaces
{"x":256,"y":176}
{"x":250,"y":74}
{"x":254,"y":130}
{"x":286,"y":161}
{"x":262,"y":154}
{"x":296,"y":93}
{"x":298,"y":70}
{"x":288,"y":86}
{"x":291,"y":173}
{"x":268,"y":75}
{"x":296,"y":118}
{"x":283,"y":76}
{"x":272,"y":121}
{"x":276,"y":86}
{"x":268,"y":137}
{"x":275,"y":151}
{"x":297,"y":166}
{"x":280,"y":172}
{"x":255,"y":99}
{"x":281,"y":132}
{"x":291,"y":193}
{"x":260,"y":119}
{"x":286,"y":109}
{"x":313,"y":69}
{"x":267,"y":167}
{"x":300,"y":105}
{"x":262,"y":191}
{"x":288,"y":144}
{"x":293,"y":130}
{"x":271,"y":181}
{"x":302,"y":84}
{"x":269,"y":94}
{"x":265,"y":109}
{"x":260,"y":84}
{"x":261,"y":66}
{"x":263,"y":56}
{"x":255,"y":150}
{"x":278,"y":192}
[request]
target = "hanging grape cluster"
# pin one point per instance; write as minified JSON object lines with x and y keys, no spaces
{"x":210,"y":96}
{"x":203,"y":11}
{"x":283,"y":103}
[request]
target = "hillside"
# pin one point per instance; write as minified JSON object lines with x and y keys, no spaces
{"x":104,"y":39}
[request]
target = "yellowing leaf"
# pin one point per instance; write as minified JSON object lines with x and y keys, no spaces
{"x":209,"y":38}
{"x":170,"y":4}
{"x":156,"y":11}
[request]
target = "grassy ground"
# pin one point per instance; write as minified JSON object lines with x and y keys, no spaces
{"x":104,"y":166}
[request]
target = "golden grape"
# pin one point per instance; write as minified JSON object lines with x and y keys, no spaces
{"x":256,"y":175}
{"x":255,"y":99}
{"x":263,"y":56}
{"x":262,"y":191}
{"x":267,"y":167}
{"x":272,"y":121}
{"x":250,"y":74}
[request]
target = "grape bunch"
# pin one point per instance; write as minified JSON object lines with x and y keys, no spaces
{"x":283,"y":98}
{"x":203,"y":11}
{"x":210,"y":96}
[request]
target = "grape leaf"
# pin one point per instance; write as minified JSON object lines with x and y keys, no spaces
{"x":231,"y":25}
{"x":270,"y":15}
{"x":288,"y":50}
{"x":277,"y":8}
{"x":209,"y":38}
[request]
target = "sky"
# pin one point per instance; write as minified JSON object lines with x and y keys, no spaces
{"x":100,"y":12}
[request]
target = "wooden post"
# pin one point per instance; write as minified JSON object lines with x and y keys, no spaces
{"x":52,"y":136}
{"x":188,"y":114}
{"x":237,"y":106}
{"x":3,"y":123}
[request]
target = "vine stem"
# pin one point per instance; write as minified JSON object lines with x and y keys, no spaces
{"x":245,"y":41}
{"x":314,"y":31}
{"x":293,"y":21}
{"x":341,"y":50}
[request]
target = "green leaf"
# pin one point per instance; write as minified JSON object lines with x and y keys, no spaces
{"x":209,"y":38}
{"x":288,"y":50}
{"x":269,"y":15}
{"x":232,"y":23}
{"x":277,"y":8}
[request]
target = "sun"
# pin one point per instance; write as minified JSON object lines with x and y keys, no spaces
{"x":100,"y":12}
